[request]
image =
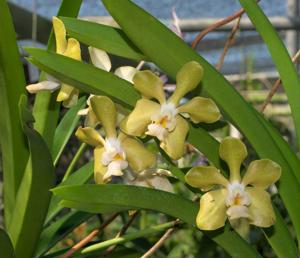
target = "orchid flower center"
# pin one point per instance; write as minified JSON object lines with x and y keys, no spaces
{"x":163,"y":121}
{"x":237,"y":201}
{"x":114,"y":158}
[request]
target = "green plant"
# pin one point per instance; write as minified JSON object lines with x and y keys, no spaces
{"x":32,"y":220}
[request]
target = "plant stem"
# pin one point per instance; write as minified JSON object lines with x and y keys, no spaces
{"x":129,"y":237}
{"x":74,"y":161}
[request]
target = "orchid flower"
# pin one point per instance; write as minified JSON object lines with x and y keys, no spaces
{"x":163,"y":119}
{"x":101,"y":60}
{"x":69,"y":48}
{"x":237,"y":198}
{"x":116,"y":152}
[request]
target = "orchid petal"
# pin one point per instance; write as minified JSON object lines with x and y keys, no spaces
{"x":126,"y":72}
{"x":173,"y":145}
{"x":90,"y":136}
{"x":42,"y":86}
{"x":65,"y":92}
{"x":91,"y":119}
{"x":72,"y":99}
{"x":187,"y":79}
{"x":201,"y":110}
{"x":261,"y":209}
{"x":233,"y":151}
{"x":73,"y":49}
{"x":212,"y":213}
{"x":106,"y":112}
{"x":138,"y":157}
{"x":100,"y":59}
{"x":137,"y":121}
{"x":149,"y":85}
{"x":60,"y":35}
{"x":262,"y":173}
{"x":99,"y":169}
{"x":205,"y":178}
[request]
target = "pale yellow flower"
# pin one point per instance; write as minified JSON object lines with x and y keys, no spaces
{"x":116,"y":152}
{"x":67,"y":47}
{"x":164,"y":119}
{"x":236,"y":198}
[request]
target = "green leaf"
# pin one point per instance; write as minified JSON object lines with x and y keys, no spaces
{"x":132,"y":197}
{"x":170,"y":53}
{"x":12,"y":85}
{"x":79,"y":177}
{"x":33,"y":196}
{"x":6,"y":247}
{"x":46,"y":108}
{"x":287,"y":70}
{"x":112,"y":40}
{"x":71,"y":71}
{"x":65,"y":129}
{"x":55,"y":232}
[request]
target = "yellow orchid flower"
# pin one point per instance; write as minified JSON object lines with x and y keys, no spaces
{"x":67,"y":47}
{"x":116,"y":152}
{"x":101,"y":60}
{"x":162,"y":119}
{"x":237,"y":198}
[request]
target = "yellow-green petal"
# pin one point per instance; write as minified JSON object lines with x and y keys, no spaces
{"x":90,"y":136}
{"x":201,"y":109}
{"x":106,"y":112}
{"x":99,"y":169}
{"x":173,"y":145}
{"x":65,"y":92}
{"x":60,"y":35}
{"x":73,"y":49}
{"x":72,"y":99}
{"x":187,"y":79}
{"x":205,"y":177}
{"x":212,"y":213}
{"x":91,"y":119}
{"x":138,"y":157}
{"x":233,"y":151}
{"x":149,"y":85}
{"x":261,"y":209}
{"x":137,"y":121}
{"x":262,"y":173}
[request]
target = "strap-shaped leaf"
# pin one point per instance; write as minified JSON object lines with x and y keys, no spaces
{"x":112,"y":40}
{"x":287,"y":70}
{"x":33,"y":196}
{"x":132,"y":197}
{"x":6,"y":247}
{"x":169,"y":52}
{"x":65,"y":129}
{"x":12,"y":85}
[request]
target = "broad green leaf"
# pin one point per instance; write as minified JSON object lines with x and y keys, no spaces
{"x":170,"y":53}
{"x":107,"y":38}
{"x":81,"y":176}
{"x":65,"y":129}
{"x":46,"y":109}
{"x":133,"y":197}
{"x":6,"y":247}
{"x":12,"y":85}
{"x":288,"y":73}
{"x":92,"y":80}
{"x":55,"y":232}
{"x":33,"y":196}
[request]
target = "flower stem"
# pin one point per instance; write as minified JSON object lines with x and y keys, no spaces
{"x":74,"y":161}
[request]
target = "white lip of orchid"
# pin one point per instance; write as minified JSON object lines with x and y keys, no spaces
{"x":114,"y":158}
{"x":237,"y":201}
{"x":163,"y":121}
